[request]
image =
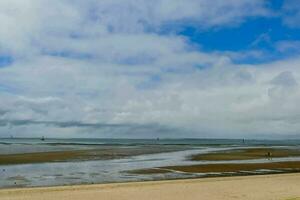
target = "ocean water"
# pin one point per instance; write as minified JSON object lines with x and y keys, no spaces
{"x":106,"y":171}
{"x":191,"y":141}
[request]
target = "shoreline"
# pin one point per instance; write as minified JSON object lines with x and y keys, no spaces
{"x":281,"y":186}
{"x":208,"y":176}
{"x":63,"y":171}
{"x":212,"y":176}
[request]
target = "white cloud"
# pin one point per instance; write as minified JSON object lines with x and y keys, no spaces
{"x":27,"y":25}
{"x":81,"y":64}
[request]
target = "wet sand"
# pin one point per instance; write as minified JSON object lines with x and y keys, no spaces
{"x":236,"y":168}
{"x":246,"y":154}
{"x":112,"y":152}
{"x":104,"y":153}
{"x":288,"y":166}
{"x":266,"y":187}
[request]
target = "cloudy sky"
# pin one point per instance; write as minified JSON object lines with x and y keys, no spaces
{"x":159,"y":68}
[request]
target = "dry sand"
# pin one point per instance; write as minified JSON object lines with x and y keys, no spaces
{"x":275,"y":187}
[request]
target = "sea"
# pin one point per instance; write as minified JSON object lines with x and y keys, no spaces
{"x":116,"y":170}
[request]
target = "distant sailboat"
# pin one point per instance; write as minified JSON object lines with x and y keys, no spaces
{"x":43,"y":138}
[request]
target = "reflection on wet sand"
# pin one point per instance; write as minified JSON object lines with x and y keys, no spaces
{"x":103,"y":153}
{"x":234,"y":155}
{"x":247,"y":154}
{"x":124,"y":163}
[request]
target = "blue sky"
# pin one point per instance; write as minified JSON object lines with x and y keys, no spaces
{"x":5,"y":60}
{"x":124,"y":68}
{"x":258,"y":33}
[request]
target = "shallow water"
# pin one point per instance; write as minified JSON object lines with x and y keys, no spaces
{"x":104,"y":171}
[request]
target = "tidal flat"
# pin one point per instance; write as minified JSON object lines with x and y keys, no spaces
{"x":54,"y":162}
{"x":267,"y":154}
{"x":290,"y":166}
{"x":247,"y":154}
{"x":100,"y":153}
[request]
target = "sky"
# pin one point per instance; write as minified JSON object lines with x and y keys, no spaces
{"x":147,"y":69}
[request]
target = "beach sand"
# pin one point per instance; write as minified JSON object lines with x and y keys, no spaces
{"x":264,"y":187}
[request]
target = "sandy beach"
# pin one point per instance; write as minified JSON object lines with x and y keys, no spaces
{"x":264,"y":187}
